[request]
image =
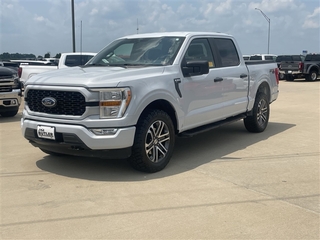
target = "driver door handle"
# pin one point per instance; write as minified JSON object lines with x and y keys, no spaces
{"x":218,"y":79}
{"x":243,"y":75}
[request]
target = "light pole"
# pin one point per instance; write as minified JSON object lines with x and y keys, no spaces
{"x":268,"y":20}
{"x":73,"y":28}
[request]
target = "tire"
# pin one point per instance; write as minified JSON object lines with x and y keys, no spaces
{"x":11,"y":113}
{"x":312,"y":76}
{"x":154,"y":142}
{"x":289,"y":78}
{"x":281,"y":76}
{"x":259,"y":119}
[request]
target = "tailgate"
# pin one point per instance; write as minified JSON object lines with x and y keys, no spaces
{"x":290,"y":65}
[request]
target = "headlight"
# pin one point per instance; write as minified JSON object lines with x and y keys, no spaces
{"x":114,"y":102}
{"x":16,"y":83}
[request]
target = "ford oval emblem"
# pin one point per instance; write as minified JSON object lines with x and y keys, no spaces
{"x":49,"y":102}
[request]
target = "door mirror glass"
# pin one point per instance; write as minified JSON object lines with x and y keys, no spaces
{"x":194,"y":68}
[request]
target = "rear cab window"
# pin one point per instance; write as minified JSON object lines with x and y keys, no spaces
{"x":227,"y":51}
{"x":312,"y":57}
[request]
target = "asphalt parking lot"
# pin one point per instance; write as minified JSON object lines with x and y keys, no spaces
{"x":223,"y":184}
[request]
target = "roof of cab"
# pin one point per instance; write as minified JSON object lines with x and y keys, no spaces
{"x":175,"y":34}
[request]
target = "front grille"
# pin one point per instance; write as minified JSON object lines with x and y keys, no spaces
{"x":6,"y":77}
{"x":5,"y":89}
{"x":67,"y":103}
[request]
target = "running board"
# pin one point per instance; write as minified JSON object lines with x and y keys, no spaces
{"x":205,"y":128}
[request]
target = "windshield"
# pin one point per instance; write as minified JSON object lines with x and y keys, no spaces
{"x":139,"y":52}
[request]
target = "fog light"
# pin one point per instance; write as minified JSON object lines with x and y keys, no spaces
{"x":104,"y":131}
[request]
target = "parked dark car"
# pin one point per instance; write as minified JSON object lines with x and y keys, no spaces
{"x":12,"y":65}
{"x":290,"y":66}
{"x":311,"y":67}
{"x":10,"y":92}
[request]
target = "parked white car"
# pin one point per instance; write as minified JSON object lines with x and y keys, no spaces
{"x":66,"y":60}
{"x":271,"y":57}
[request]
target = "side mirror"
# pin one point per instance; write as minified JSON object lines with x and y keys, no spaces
{"x":195,"y":68}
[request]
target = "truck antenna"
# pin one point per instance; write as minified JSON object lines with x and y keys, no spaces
{"x":137,"y":26}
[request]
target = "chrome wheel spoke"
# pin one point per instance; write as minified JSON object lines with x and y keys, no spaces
{"x":262,"y":112}
{"x":157,"y":141}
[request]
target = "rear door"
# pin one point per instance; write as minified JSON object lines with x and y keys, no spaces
{"x":223,"y":91}
{"x":234,"y":75}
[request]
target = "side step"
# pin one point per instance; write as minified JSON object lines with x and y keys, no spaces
{"x":202,"y":129}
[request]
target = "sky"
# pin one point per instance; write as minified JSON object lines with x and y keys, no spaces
{"x":42,"y":26}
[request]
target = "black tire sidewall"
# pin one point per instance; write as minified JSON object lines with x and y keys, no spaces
{"x":316,"y":74}
{"x":251,"y":122}
{"x":139,"y":160}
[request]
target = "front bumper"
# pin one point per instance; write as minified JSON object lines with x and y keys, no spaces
{"x":10,"y":99}
{"x":79,"y":141}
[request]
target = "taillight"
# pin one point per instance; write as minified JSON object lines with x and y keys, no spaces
{"x":276,"y":72}
{"x":19,"y":72}
{"x":300,"y":66}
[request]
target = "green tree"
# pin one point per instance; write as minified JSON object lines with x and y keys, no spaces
{"x":47,"y":55}
{"x":58,"y":55}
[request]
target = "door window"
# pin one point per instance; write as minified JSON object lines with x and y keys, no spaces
{"x":228,"y":52}
{"x":199,"y":49}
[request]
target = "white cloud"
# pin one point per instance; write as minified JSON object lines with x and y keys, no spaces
{"x":223,"y":7}
{"x":269,"y":6}
{"x":315,"y":13}
{"x":46,"y":25}
{"x":94,"y":11}
{"x":310,"y":24}
{"x":39,"y":18}
{"x":312,"y":20}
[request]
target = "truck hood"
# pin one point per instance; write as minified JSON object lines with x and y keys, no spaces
{"x":94,"y":77}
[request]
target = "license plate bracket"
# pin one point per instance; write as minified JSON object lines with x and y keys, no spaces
{"x":46,"y":132}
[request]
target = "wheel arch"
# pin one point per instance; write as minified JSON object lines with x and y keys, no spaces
{"x":264,"y":88}
{"x":313,"y":68}
{"x":165,"y":106}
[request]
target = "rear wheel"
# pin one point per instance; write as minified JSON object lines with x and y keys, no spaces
{"x":312,"y":76}
{"x":154,"y":142}
{"x":259,"y":119}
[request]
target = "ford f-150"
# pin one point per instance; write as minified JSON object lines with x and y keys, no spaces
{"x":142,"y":91}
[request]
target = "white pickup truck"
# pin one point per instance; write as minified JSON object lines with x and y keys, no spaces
{"x":30,"y":69}
{"x":142,"y":91}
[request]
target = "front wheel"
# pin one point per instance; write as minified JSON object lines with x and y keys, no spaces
{"x":154,"y":142}
{"x":289,"y":77}
{"x":312,"y":76}
{"x":259,"y":119}
{"x":281,"y":76}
